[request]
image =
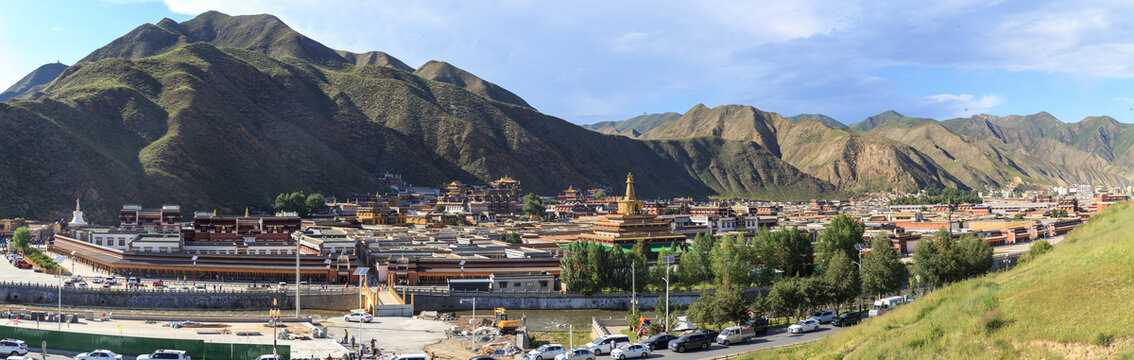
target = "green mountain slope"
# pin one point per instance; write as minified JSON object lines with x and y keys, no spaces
{"x":826,"y":120}
{"x":1072,"y":303}
{"x":890,"y":117}
{"x":374,"y":58}
{"x":634,"y":126}
{"x":447,"y":73}
{"x":850,"y":160}
{"x":33,"y":82}
{"x":230,"y":122}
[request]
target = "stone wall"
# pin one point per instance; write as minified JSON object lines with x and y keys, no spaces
{"x":11,"y":293}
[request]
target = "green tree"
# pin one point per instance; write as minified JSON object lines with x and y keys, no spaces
{"x":438,"y":208}
{"x":21,"y":238}
{"x":639,"y":257}
{"x":842,"y":276}
{"x":517,"y":238}
{"x":726,"y":259}
{"x":786,"y":298}
{"x":724,"y":306}
{"x":315,"y":204}
{"x":599,"y":194}
{"x":598,"y":267}
{"x":926,"y":263}
{"x":573,"y":268}
{"x":1018,"y":217}
{"x":533,"y":205}
{"x":882,"y":270}
{"x":841,"y":235}
{"x":975,"y":254}
{"x":1038,"y":248}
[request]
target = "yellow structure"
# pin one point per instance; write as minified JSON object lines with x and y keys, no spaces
{"x":630,"y":225}
{"x":629,"y":205}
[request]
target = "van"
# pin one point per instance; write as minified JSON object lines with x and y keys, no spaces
{"x":606,"y":344}
{"x":736,"y":334}
{"x":883,"y":305}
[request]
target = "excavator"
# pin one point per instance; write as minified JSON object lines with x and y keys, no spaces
{"x":506,"y":326}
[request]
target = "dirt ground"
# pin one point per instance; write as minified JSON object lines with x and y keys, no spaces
{"x":458,"y":347}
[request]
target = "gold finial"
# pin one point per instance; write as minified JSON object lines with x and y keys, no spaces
{"x":630,"y":187}
{"x":245,"y":212}
{"x":214,"y":212}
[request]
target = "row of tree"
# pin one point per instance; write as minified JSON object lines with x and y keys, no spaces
{"x":300,"y":202}
{"x":943,"y":259}
{"x":931,"y":196}
{"x":21,"y":240}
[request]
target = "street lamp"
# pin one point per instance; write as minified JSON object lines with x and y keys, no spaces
{"x":473,"y":300}
{"x":570,"y":332}
{"x":667,"y":260}
{"x":59,"y":274}
{"x":297,"y":250}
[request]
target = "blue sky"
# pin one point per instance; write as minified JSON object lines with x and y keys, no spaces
{"x":588,"y":61}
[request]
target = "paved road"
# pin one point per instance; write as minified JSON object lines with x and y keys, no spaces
{"x":775,"y":337}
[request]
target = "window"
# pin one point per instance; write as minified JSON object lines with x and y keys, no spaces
{"x":503,"y":284}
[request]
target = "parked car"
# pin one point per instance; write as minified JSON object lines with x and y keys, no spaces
{"x":165,"y":355}
{"x":824,"y":316}
{"x":97,"y":279}
{"x":133,"y":280}
{"x":576,"y":354}
{"x":98,"y":355}
{"x":111,"y":280}
{"x":546,"y":351}
{"x":695,"y":340}
{"x":847,"y":319}
{"x":200,"y":288}
{"x":630,"y":351}
{"x":758,"y":325}
{"x":735,"y":334}
{"x":158,"y":283}
{"x":20,"y":358}
{"x":804,"y":326}
{"x":76,"y":278}
{"x":23,"y":264}
{"x":659,"y":341}
{"x":712,"y":334}
{"x":483,"y":357}
{"x":270,"y":357}
{"x":358,"y":317}
{"x":13,"y":347}
{"x":412,"y":357}
{"x":883,"y":305}
{"x":606,"y":344}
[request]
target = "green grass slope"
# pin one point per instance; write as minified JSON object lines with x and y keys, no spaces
{"x":33,"y":81}
{"x":1072,"y":303}
{"x":641,"y":123}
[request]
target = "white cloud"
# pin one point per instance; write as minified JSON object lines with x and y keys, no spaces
{"x":951,"y":105}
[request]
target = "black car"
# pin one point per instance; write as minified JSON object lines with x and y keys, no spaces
{"x":697,"y":340}
{"x":759,"y":325}
{"x":712,"y":334}
{"x":847,"y":319}
{"x":659,"y":341}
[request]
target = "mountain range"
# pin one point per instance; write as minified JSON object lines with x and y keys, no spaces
{"x":894,"y":151}
{"x":226,"y":111}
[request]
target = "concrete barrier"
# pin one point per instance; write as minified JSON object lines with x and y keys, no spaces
{"x":443,"y":300}
{"x":130,"y":345}
{"x":28,"y":293}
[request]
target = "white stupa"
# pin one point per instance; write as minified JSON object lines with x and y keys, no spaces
{"x":77,"y":219}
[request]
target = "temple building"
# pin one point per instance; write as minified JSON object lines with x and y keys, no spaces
{"x":631,"y":224}
{"x":209,"y":227}
{"x":136,"y":218}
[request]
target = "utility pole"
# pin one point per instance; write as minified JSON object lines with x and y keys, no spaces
{"x":297,"y":250}
{"x":633,"y":285}
{"x":59,"y":273}
{"x":667,"y":260}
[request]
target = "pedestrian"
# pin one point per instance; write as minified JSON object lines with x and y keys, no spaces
{"x":329,"y":357}
{"x":372,"y":342}
{"x":352,"y":341}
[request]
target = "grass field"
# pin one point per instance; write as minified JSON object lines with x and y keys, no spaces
{"x":1074,"y":302}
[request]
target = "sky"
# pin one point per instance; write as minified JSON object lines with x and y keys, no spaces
{"x":587,"y":61}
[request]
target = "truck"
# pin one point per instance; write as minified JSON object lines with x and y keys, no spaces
{"x":736,"y":334}
{"x":883,"y":305}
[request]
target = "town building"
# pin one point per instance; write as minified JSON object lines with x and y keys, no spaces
{"x":630,"y":225}
{"x":136,"y":218}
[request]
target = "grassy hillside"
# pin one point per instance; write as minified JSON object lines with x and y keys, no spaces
{"x":639,"y":124}
{"x":1072,"y":303}
{"x":827,"y":120}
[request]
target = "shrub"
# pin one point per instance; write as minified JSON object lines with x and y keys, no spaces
{"x":992,"y":320}
{"x":1038,"y":248}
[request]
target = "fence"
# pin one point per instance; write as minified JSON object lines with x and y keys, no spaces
{"x":742,"y":354}
{"x":129,"y":345}
{"x":313,"y":290}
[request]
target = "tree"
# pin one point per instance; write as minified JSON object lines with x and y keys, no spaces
{"x":600,"y":194}
{"x":842,"y":277}
{"x":786,"y":297}
{"x":517,"y":238}
{"x":639,"y":257}
{"x":598,"y":267}
{"x":574,"y":272}
{"x":294,"y":202}
{"x":724,"y":306}
{"x":726,"y":259}
{"x":533,"y":205}
{"x":1038,"y":248}
{"x":21,"y":238}
{"x":315,"y":203}
{"x":1018,"y":217}
{"x":439,"y":208}
{"x":696,"y":264}
{"x":975,"y":254}
{"x":882,"y":269}
{"x":840,"y":236}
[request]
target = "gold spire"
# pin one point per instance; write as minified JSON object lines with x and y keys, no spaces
{"x":245,"y":212}
{"x":214,"y":212}
{"x":630,"y":187}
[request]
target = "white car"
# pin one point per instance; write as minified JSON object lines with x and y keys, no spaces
{"x":631,"y":351}
{"x":804,"y":326}
{"x":576,"y":354}
{"x":13,"y":347}
{"x":165,"y":355}
{"x":545,"y":352}
{"x":98,"y":355}
{"x":358,"y":316}
{"x":606,"y":344}
{"x":824,"y":316}
{"x":269,"y":357}
{"x":412,"y":357}
{"x":97,"y":279}
{"x":110,"y":280}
